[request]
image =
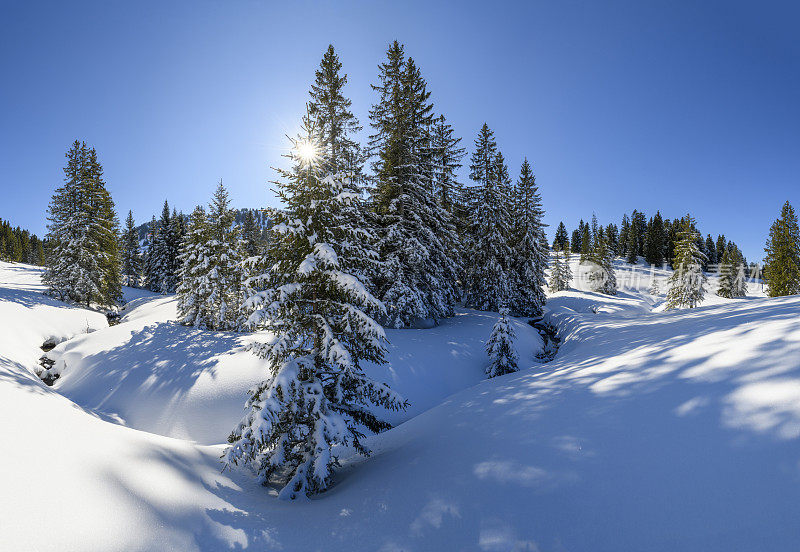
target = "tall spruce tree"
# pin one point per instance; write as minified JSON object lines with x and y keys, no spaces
{"x":83,"y":264}
{"x":251,"y":235}
{"x":335,"y":123}
{"x":727,"y":276}
{"x":223,"y":268}
{"x":418,"y":279}
{"x":687,"y":284}
{"x":131,"y":255}
{"x":561,"y":240}
{"x":560,"y":272}
{"x":782,"y":263}
{"x":152,"y":261}
{"x":488,"y":279}
{"x":316,"y":394}
{"x":194,"y":307}
{"x":654,"y":241}
{"x":529,"y":258}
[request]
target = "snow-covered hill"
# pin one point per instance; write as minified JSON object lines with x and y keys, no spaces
{"x":649,"y":431}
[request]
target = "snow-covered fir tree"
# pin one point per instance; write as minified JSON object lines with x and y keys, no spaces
{"x":503,"y":356}
{"x":131,"y":254}
{"x":686,"y":286}
{"x":251,"y":235}
{"x":489,"y":273}
{"x":418,"y":279}
{"x":224,"y":275}
{"x":782,"y":263}
{"x":727,"y":277}
{"x":150,"y":263}
{"x":445,"y":158}
{"x":529,"y":257}
{"x":560,"y":272}
{"x":561,"y":240}
{"x":83,"y":263}
{"x":164,"y":251}
{"x":318,"y":311}
{"x":336,"y":125}
{"x":599,"y":267}
{"x":194,"y":307}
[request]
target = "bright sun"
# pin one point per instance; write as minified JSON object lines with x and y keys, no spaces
{"x":306,"y":151}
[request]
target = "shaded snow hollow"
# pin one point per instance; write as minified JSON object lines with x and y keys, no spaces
{"x":649,"y":431}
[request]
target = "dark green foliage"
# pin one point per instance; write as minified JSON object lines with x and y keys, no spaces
{"x":561,"y":241}
{"x":654,"y":241}
{"x":782,"y":263}
{"x":20,"y":246}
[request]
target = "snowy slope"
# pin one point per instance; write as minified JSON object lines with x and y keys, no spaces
{"x":150,"y":373}
{"x":649,"y":431}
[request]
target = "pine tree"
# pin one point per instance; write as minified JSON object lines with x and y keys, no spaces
{"x":624,"y":229}
{"x":335,"y":123}
{"x":131,"y":257}
{"x":687,"y":283}
{"x":586,"y":243}
{"x":83,"y":264}
{"x":152,"y":259}
{"x":722,"y":245}
{"x":446,"y":155}
{"x":654,"y":241}
{"x":251,"y":235}
{"x":561,"y":240}
{"x":782,"y":263}
{"x":313,"y":302}
{"x":194,"y":307}
{"x":577,"y":235}
{"x":727,"y":276}
{"x":529,"y":256}
{"x":600,"y":272}
{"x":560,"y":273}
{"x":418,"y":278}
{"x":500,"y":348}
{"x":224,"y":256}
{"x":612,"y":238}
{"x":488,"y":279}
{"x":711,"y":252}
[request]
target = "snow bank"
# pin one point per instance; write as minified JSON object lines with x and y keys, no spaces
{"x":649,"y":431}
{"x":150,"y":373}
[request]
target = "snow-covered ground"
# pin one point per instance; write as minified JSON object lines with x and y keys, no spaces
{"x":649,"y":431}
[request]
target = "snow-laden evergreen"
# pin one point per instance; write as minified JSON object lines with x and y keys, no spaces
{"x":83,"y":262}
{"x":318,"y":312}
{"x":194,"y":289}
{"x":162,"y":259}
{"x":418,"y":279}
{"x":503,"y":357}
{"x":210,"y":274}
{"x":529,"y":253}
{"x":224,"y":273}
{"x":131,"y":254}
{"x":560,"y":272}
{"x":782,"y":263}
{"x":599,"y":267}
{"x":687,"y":285}
{"x":489,"y":259}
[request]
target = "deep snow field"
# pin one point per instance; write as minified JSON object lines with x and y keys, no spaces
{"x":675,"y":431}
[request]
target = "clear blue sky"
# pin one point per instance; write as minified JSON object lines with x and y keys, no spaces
{"x":679,"y":106}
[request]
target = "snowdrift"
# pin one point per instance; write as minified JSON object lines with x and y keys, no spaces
{"x":649,"y":431}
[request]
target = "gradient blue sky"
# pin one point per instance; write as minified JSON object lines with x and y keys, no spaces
{"x":678,"y":106}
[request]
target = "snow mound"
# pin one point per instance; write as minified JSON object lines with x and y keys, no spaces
{"x":649,"y":431}
{"x":150,"y":373}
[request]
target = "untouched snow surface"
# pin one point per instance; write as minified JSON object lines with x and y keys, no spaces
{"x":649,"y":431}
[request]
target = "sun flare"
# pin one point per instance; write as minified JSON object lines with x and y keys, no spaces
{"x":307,"y":151}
